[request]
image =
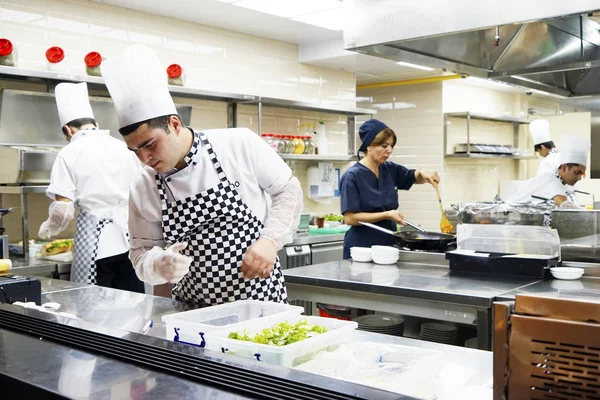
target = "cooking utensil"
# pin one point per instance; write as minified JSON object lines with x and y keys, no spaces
{"x":428,"y":241}
{"x":417,"y":227}
{"x":445,"y":224}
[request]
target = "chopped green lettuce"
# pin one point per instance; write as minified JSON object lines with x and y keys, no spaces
{"x":281,"y":334}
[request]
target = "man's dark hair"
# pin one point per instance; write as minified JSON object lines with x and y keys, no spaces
{"x":153,"y":123}
{"x":78,"y":123}
{"x":549,"y":145}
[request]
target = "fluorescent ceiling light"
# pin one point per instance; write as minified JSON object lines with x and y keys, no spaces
{"x":405,"y":64}
{"x":326,"y":14}
{"x":286,"y":8}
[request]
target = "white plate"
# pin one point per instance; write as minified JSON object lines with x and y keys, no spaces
{"x":385,"y":261}
{"x":567,"y":273}
{"x":385,"y":249}
{"x":361,"y":258}
{"x":62,"y":257}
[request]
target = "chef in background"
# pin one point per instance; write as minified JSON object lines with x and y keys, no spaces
{"x":554,"y":185}
{"x":544,"y":146}
{"x":93,"y":171}
{"x":369,"y":189}
{"x":211,"y":208}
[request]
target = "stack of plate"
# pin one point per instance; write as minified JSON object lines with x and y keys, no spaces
{"x":361,"y":254}
{"x":386,"y":324}
{"x":439,"y":333}
{"x":385,"y":254}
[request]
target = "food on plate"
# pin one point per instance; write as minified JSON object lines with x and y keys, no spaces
{"x":57,"y":247}
{"x":334,"y":218}
{"x":5,"y":265}
{"x":281,"y":334}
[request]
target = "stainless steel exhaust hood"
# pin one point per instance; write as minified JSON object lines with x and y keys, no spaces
{"x":552,"y":46}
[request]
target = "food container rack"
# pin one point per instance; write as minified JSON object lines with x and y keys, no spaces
{"x":338,"y":331}
{"x":501,"y":213}
{"x":196,"y":327}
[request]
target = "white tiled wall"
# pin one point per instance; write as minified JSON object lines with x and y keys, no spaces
{"x":213,"y":58}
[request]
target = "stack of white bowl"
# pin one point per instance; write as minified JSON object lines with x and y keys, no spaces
{"x":385,"y":254}
{"x":361,"y":254}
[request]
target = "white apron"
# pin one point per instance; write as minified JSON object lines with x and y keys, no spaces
{"x":218,"y":227}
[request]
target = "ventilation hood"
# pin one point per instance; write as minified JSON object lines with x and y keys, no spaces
{"x":551,"y":46}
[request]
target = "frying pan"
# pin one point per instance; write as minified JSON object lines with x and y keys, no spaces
{"x":422,"y":240}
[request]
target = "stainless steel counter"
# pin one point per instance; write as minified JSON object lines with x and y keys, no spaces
{"x":584,"y":289}
{"x":425,"y":289}
{"x":34,"y":266}
{"x":111,"y":308}
{"x":316,"y":239}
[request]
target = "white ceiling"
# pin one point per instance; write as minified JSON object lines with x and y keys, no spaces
{"x":368,"y":69}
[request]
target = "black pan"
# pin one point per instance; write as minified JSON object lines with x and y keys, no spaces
{"x":428,"y":241}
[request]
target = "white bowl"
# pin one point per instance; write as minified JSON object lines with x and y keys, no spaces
{"x":361,"y":250}
{"x":362,"y":258}
{"x":567,"y":273}
{"x":385,"y":249}
{"x":385,"y":260}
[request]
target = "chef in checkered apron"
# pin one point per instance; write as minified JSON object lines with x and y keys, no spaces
{"x":94,"y":172}
{"x":212,"y":207}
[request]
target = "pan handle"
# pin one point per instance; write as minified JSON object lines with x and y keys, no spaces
{"x":417,"y":227}
{"x":377,"y":227}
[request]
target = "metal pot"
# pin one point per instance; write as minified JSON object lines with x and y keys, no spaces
{"x":572,"y":224}
{"x":500,"y":213}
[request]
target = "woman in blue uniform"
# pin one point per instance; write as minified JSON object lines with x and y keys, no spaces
{"x":369,"y":189}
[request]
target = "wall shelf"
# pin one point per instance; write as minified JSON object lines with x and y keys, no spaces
{"x":317,"y":157}
{"x":487,"y":156}
{"x":469,"y":116}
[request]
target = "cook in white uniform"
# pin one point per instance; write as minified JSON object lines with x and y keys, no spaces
{"x":572,"y":166}
{"x":94,"y":172}
{"x":222,"y":200}
{"x":544,"y":146}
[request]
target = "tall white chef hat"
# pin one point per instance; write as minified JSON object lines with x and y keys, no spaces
{"x":540,"y":131}
{"x":138,"y":85}
{"x":574,"y":150}
{"x":73,"y":102}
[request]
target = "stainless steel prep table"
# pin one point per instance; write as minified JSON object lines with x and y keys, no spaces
{"x":409,"y":288}
{"x":584,"y":289}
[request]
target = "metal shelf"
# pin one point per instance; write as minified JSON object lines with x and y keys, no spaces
{"x":487,"y":156}
{"x":298,"y":105}
{"x":316,"y":157}
{"x":16,"y":189}
{"x":485,"y":117}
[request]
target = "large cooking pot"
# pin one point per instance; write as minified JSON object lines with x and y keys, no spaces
{"x":428,"y":241}
{"x":501,"y":213}
{"x":572,"y":224}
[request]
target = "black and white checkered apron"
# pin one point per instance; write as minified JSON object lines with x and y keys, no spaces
{"x":87,"y":233}
{"x":218,"y":227}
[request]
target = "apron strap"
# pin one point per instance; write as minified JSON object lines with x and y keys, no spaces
{"x":213,"y":157}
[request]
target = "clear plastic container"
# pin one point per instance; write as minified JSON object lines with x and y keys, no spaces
{"x":280,"y":143}
{"x":298,"y":145}
{"x":271,"y":141}
{"x":290,"y":146}
{"x":176,"y":75}
{"x":8,"y":53}
{"x":198,"y":325}
{"x":338,"y":332}
{"x":309,"y":145}
{"x":92,"y":62}
{"x":55,"y":56}
{"x":513,"y":239}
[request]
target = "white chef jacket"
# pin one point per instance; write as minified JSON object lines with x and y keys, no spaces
{"x":248,"y":162}
{"x":546,"y":185}
{"x":550,"y":163}
{"x":94,"y":171}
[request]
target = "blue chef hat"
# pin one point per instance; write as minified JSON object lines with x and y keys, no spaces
{"x":368,"y":131}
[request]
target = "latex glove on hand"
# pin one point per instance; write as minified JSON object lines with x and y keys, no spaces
{"x":429,"y":176}
{"x":60,"y":213}
{"x":259,"y":259}
{"x":396,"y":216}
{"x":569,"y":205}
{"x":171,"y":265}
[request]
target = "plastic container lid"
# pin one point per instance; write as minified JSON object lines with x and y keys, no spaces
{"x":92,"y":59}
{"x":55,"y":54}
{"x":174,"y":71}
{"x":6,"y":47}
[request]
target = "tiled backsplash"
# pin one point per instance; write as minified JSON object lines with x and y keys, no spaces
{"x":213,"y":58}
